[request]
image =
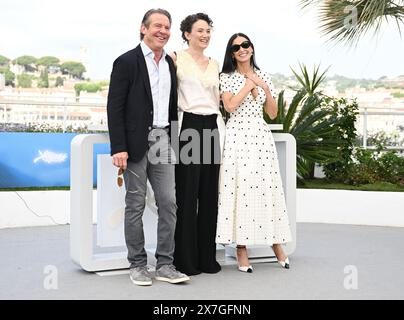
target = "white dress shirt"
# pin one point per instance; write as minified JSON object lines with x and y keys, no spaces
{"x":160,"y":84}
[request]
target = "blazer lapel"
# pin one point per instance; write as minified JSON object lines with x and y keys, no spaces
{"x":143,"y":71}
{"x":173,"y":74}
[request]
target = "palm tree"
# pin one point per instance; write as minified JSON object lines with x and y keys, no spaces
{"x":313,"y":124}
{"x":347,"y":21}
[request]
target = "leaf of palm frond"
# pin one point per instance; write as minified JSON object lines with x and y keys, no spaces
{"x":309,"y":105}
{"x":314,"y":78}
{"x":299,"y":78}
{"x":398,"y":25}
{"x":309,"y":84}
{"x":281,"y":105}
{"x":305,"y":3}
{"x":327,"y":122}
{"x":396,"y":12}
{"x":325,"y":131}
{"x":305,"y":73}
{"x":309,"y":121}
{"x":313,"y":150}
{"x":320,"y":145}
{"x":320,"y":155}
{"x":329,"y":150}
{"x":336,"y":16}
{"x":317,"y":157}
{"x":292,"y":109}
{"x":302,"y":166}
{"x":320,"y":79}
{"x":305,"y":140}
{"x":281,"y":111}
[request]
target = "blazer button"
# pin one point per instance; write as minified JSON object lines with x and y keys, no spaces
{"x":151,"y":112}
{"x":149,"y":128}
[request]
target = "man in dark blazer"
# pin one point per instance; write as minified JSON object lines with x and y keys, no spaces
{"x":142,"y":103}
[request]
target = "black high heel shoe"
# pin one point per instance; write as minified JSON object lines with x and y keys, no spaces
{"x":249,"y":268}
{"x":285,"y":264}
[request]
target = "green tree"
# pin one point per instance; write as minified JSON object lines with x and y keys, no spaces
{"x":24,"y":80}
{"x":4,"y":61}
{"x":92,"y":87}
{"x":48,"y":61}
{"x":74,"y":69}
{"x":398,"y":94}
{"x":8,"y":75}
{"x":59,"y":82}
{"x":27,"y":62}
{"x":88,"y":87}
{"x":44,"y":79}
{"x":346,"y":21}
{"x":104,"y":84}
{"x":78,"y":87}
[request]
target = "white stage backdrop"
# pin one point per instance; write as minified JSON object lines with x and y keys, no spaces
{"x":111,"y":207}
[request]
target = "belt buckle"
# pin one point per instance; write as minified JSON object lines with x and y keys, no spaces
{"x":160,"y":128}
{"x":156,"y":131}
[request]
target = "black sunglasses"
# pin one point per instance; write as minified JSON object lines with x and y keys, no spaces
{"x":236,"y":47}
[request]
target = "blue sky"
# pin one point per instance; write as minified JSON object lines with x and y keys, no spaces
{"x":99,"y":31}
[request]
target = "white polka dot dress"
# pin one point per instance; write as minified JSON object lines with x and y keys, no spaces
{"x":252,"y":208}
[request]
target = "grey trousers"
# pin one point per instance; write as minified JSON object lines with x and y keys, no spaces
{"x":161,"y":175}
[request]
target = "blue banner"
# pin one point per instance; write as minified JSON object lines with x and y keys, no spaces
{"x":39,"y":159}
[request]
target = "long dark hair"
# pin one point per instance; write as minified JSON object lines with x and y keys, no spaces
{"x":229,"y":64}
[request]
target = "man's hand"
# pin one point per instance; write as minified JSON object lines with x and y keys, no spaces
{"x":120,"y":160}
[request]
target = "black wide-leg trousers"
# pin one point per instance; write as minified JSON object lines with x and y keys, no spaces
{"x":197,"y":195}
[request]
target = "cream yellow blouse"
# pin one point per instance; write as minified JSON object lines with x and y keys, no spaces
{"x":198,"y":90}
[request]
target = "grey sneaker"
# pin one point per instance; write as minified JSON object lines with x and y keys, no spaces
{"x":168,"y":273}
{"x":140,"y":276}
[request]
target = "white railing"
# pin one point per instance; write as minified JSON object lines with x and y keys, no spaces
{"x":396,"y":119}
{"x":91,"y":112}
{"x":62,"y":111}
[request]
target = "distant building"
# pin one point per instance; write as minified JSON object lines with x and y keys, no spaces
{"x":55,"y":70}
{"x":394,"y":81}
{"x":2,"y":82}
{"x":17,"y":69}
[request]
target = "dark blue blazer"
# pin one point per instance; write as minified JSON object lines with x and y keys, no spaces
{"x":130,"y":104}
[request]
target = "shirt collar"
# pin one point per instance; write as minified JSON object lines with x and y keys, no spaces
{"x":147,"y":51}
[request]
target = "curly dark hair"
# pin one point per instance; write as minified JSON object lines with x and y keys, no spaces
{"x":188,"y":22}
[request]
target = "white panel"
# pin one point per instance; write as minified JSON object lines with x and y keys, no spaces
{"x":110,"y":204}
{"x":81,"y":204}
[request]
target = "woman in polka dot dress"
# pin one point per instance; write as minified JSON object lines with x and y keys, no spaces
{"x":252,"y":208}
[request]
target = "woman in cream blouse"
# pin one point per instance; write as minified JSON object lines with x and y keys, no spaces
{"x":201,"y":141}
